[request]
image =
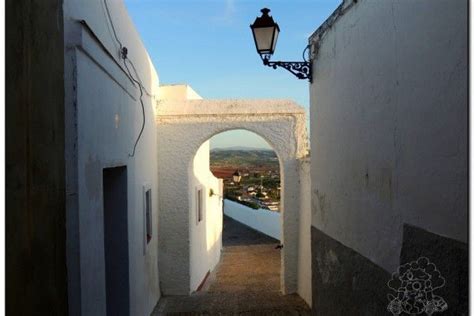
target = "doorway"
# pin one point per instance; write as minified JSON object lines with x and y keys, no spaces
{"x":116,"y":240}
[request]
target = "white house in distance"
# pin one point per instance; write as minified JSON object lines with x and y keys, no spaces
{"x":110,"y":203}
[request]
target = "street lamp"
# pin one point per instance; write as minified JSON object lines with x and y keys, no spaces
{"x":265,"y":34}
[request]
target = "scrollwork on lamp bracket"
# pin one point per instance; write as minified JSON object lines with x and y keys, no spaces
{"x":301,"y":69}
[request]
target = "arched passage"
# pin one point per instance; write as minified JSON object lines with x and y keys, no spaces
{"x":183,"y":126}
{"x":258,"y":173}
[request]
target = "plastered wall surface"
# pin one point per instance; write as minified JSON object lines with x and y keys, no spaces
{"x":103,"y":119}
{"x":187,"y":125}
{"x":205,"y":235}
{"x":265,"y":221}
{"x":304,"y":245}
{"x":177,"y":92}
{"x":388,"y":125}
{"x":389,"y":150}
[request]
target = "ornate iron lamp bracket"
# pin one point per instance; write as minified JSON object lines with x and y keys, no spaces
{"x":301,"y":69}
{"x":265,"y":34}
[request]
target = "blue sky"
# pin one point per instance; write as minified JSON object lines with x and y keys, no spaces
{"x":208,"y":45}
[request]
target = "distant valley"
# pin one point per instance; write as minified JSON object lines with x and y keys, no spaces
{"x":244,"y":157}
{"x":259,"y":185}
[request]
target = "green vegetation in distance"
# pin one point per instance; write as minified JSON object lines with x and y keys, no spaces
{"x":263,"y":158}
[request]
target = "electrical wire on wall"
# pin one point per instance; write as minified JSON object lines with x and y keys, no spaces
{"x":137,"y":81}
{"x":141,"y":102}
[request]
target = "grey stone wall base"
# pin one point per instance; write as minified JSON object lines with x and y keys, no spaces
{"x":450,"y":256}
{"x":345,"y":282}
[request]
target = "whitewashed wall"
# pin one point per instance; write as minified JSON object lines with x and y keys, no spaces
{"x":304,"y":244}
{"x":265,"y":221}
{"x":177,"y":92}
{"x":204,"y":239}
{"x":388,"y":125}
{"x":103,"y":119}
{"x":206,"y":235}
{"x":187,"y":125}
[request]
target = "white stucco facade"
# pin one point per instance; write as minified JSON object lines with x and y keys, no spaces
{"x":103,"y":119}
{"x":205,"y":236}
{"x":177,"y":92}
{"x":304,"y":233}
{"x":189,"y":124}
{"x":399,"y":90}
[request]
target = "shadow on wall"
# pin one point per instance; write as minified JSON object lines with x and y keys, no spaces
{"x":205,"y":217}
{"x":262,"y":220}
{"x":238,"y":234}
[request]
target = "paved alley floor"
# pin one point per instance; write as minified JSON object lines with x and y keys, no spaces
{"x":245,"y":282}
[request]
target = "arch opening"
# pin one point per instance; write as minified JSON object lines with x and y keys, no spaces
{"x":280,"y":124}
{"x":235,"y":181}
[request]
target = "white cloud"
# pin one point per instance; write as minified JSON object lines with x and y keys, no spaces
{"x":229,"y":12}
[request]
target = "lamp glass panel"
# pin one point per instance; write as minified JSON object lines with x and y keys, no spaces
{"x":263,"y":38}
{"x":276,"y":38}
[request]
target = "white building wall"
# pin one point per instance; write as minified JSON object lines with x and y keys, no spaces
{"x":389,"y":173}
{"x":187,"y":125}
{"x":203,"y":238}
{"x":388,"y":125}
{"x":206,"y":235}
{"x":389,"y":107}
{"x":177,"y":92}
{"x":304,"y":243}
{"x":103,"y":119}
{"x":265,"y":221}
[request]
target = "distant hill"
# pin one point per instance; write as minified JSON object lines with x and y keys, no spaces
{"x":240,"y":148}
{"x":244,"y":157}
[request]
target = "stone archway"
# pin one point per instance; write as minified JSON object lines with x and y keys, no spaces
{"x":182,"y":127}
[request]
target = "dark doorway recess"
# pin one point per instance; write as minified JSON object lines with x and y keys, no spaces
{"x":116,"y":241}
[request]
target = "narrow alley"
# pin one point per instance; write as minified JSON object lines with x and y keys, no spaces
{"x":246,"y":281}
{"x":354,"y":119}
